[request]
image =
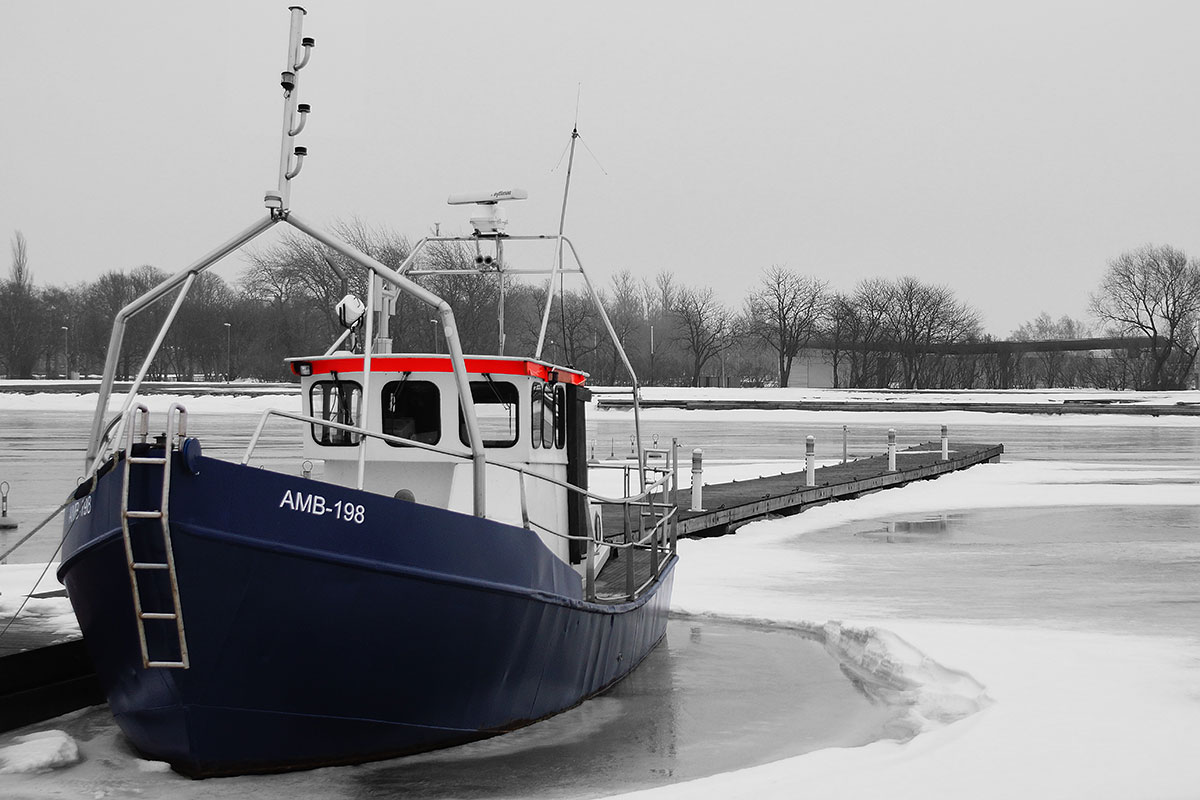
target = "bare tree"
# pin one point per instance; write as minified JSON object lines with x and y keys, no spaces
{"x":1051,"y":368}
{"x":866,"y":329}
{"x":659,"y":295}
{"x":837,"y":332}
{"x":706,"y":326}
{"x":19,"y":314}
{"x":296,"y":271}
{"x":627,"y":314}
{"x":785,"y":312}
{"x":1155,"y":292}
{"x":920,"y":315}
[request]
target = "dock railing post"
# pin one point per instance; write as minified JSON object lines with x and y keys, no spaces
{"x":891,"y":449}
{"x":674,"y":493}
{"x":697,"y":479}
{"x":810,"y":448}
{"x":628,"y":555}
{"x":945,"y":444}
{"x":844,"y":448}
{"x":590,"y":570}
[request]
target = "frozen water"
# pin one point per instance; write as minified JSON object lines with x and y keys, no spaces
{"x":714,"y":696}
{"x":1065,"y":580}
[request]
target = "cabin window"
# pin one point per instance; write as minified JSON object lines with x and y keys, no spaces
{"x":560,"y":418}
{"x":496,"y":407}
{"x":335,"y":401}
{"x":412,"y":410}
{"x":543,"y":413}
{"x":549,"y":405}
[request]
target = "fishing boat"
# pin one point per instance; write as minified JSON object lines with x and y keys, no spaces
{"x":430,"y":569}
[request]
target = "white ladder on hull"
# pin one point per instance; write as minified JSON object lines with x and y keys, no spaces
{"x":141,"y":415}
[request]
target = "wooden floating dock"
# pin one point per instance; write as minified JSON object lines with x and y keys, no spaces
{"x":42,"y":673}
{"x":1081,"y":406}
{"x":727,"y":505}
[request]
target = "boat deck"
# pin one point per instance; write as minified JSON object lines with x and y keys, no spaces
{"x":614,"y":580}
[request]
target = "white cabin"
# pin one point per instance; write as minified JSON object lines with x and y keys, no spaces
{"x":530,"y":416}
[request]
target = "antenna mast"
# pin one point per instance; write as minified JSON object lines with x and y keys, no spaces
{"x":295,"y":115}
{"x":562,"y":221}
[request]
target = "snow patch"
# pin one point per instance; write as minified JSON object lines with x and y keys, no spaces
{"x":39,"y":752}
{"x":157,"y":403}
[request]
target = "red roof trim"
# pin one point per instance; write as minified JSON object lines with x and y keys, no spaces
{"x":492,"y":366}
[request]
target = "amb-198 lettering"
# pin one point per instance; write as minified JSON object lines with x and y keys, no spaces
{"x":317,"y":505}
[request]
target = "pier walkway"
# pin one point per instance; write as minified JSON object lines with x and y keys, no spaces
{"x":727,"y":505}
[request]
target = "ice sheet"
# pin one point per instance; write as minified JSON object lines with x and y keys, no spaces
{"x":1088,"y":715}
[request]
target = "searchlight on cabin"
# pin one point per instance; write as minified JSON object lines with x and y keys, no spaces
{"x":490,"y":220}
{"x":350,"y":311}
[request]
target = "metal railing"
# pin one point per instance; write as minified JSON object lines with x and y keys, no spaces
{"x":658,"y":540}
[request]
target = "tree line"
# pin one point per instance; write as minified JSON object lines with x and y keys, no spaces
{"x":884,"y":332}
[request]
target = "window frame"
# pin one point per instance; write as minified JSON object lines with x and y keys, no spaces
{"x":560,"y":416}
{"x":384,"y":412}
{"x":535,"y":415}
{"x":489,"y":384}
{"x":353,"y":439}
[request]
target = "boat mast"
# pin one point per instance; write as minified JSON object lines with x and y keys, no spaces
{"x":557,"y":270}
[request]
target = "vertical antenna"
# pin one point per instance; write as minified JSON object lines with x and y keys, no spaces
{"x":299,"y":50}
{"x":562,"y":221}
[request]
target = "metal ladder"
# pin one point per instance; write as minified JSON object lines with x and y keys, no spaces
{"x":139,"y":418}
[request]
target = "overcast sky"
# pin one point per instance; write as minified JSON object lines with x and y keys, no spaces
{"x":1007,"y":149}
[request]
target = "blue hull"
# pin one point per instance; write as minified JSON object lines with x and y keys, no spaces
{"x":321,"y":636}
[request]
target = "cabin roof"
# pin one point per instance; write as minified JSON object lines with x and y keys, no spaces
{"x":476,"y":365}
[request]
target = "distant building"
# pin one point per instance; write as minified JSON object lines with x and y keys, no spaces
{"x":811,"y":370}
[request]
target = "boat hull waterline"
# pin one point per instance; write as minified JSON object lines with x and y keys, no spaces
{"x":328,"y":625}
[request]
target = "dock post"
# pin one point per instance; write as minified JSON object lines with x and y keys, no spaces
{"x":6,"y":522}
{"x":809,"y":467}
{"x":891,"y":449}
{"x":945,"y":444}
{"x":844,"y":449}
{"x":697,"y":479}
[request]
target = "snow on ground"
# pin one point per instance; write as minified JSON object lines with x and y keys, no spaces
{"x":912,"y":420}
{"x":51,"y":401}
{"x":1008,"y":396}
{"x":39,"y":752}
{"x":52,"y":614}
{"x":1095,"y":715}
{"x":157,"y":403}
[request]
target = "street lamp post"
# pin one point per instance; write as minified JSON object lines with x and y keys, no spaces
{"x":66,"y":354}
{"x":434,"y":323}
{"x":228,"y":351}
{"x":651,"y":375}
